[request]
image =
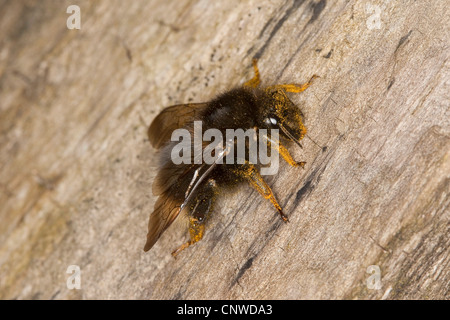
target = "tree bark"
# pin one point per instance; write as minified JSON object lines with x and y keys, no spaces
{"x":369,"y":215}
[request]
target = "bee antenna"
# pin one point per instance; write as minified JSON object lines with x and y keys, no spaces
{"x":314,"y":141}
{"x":286,"y":131}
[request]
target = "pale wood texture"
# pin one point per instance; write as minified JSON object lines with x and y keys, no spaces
{"x":76,"y":166}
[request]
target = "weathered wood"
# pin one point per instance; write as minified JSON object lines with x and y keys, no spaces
{"x":76,"y":167}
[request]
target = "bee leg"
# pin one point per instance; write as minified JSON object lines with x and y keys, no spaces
{"x":201,"y":207}
{"x":253,"y":176}
{"x":256,"y":80}
{"x":296,"y":88}
{"x":284,"y":152}
{"x":196,"y":232}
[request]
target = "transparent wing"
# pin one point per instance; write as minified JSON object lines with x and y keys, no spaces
{"x":177,"y":193}
{"x":172,"y":118}
{"x":166,"y":210}
{"x":168,"y":176}
{"x":172,"y":185}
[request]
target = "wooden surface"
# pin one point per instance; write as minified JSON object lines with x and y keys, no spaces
{"x":76,"y":166}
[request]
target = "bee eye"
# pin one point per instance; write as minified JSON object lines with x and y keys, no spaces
{"x":272,"y":121}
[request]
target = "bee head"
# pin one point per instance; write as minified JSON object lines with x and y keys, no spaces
{"x":280,"y":113}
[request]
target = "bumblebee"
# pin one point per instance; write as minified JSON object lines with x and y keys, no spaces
{"x":192,"y":188}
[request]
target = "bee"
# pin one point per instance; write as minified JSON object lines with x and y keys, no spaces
{"x":193,"y":188}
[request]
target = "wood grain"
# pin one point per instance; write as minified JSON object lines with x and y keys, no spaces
{"x":76,"y":166}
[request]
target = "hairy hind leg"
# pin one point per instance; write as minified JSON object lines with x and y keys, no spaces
{"x":296,"y":88}
{"x":256,"y":80}
{"x":199,"y":211}
{"x":252,"y":175}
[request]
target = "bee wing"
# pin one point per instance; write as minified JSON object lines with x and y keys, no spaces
{"x":172,"y":118}
{"x":178,"y":194}
{"x":166,"y":210}
{"x":172,"y":196}
{"x":169,"y":174}
{"x":166,"y":177}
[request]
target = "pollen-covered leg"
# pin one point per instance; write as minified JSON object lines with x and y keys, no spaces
{"x":288,"y":158}
{"x":256,"y":80}
{"x":296,"y":88}
{"x":199,"y":211}
{"x":196,"y":232}
{"x":284,"y":152}
{"x":249,"y":172}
